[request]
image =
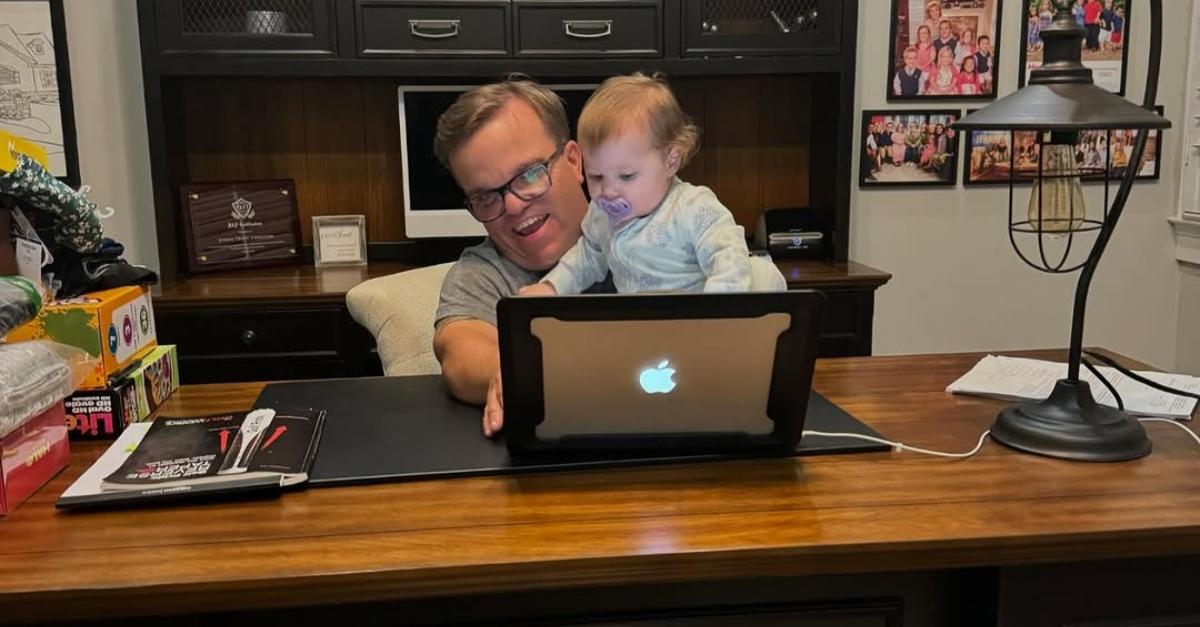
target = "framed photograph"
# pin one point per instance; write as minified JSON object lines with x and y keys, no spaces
{"x":240,"y":224}
{"x":1105,"y":48}
{"x":914,"y":148}
{"x":339,"y":240}
{"x":944,"y":49}
{"x":989,"y":156}
{"x":35,"y":81}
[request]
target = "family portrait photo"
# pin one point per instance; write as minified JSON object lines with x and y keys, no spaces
{"x":1104,"y":46}
{"x":909,"y":148}
{"x":989,"y":156}
{"x":944,"y":49}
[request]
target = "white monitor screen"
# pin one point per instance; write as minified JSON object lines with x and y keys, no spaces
{"x":433,"y":203}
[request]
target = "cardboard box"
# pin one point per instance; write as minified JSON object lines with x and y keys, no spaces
{"x":102,"y":414}
{"x":155,"y":379}
{"x":115,"y":325}
{"x":31,"y":455}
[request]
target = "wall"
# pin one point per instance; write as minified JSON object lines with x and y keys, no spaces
{"x":110,"y":118}
{"x":1189,"y":320}
{"x":958,"y":285}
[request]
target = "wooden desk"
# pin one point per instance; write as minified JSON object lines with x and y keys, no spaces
{"x":935,"y":541}
{"x":291,"y":322}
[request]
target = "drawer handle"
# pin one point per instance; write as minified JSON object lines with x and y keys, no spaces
{"x":587,"y":29}
{"x":433,"y":29}
{"x":249,"y":337}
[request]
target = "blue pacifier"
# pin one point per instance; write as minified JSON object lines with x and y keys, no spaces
{"x":617,"y":209}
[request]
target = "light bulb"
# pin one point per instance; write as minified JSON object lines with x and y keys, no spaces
{"x":1062,"y":206}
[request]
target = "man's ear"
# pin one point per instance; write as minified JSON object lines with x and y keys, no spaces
{"x":674,"y":158}
{"x":574,"y":158}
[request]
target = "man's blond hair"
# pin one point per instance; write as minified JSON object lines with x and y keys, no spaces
{"x":476,"y":107}
{"x":638,"y":100}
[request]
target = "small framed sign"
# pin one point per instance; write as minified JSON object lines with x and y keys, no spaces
{"x":240,"y":224}
{"x":340,"y":240}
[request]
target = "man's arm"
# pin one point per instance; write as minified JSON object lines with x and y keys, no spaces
{"x":469,"y":352}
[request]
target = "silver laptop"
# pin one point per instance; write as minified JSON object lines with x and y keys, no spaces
{"x":685,"y":373}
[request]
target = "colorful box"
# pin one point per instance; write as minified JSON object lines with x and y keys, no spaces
{"x":31,"y":455}
{"x":155,"y":379}
{"x":102,"y":414}
{"x":115,"y":325}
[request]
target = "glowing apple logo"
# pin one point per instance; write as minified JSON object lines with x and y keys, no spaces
{"x":658,"y":380}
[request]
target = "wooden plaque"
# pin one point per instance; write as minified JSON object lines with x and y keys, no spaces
{"x":244,"y":224}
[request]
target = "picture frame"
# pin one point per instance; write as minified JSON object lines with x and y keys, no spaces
{"x":1109,"y":66}
{"x":921,"y":162}
{"x":240,"y":224}
{"x":36,"y":102}
{"x":979,"y":170}
{"x":339,"y":240}
{"x":980,"y":19}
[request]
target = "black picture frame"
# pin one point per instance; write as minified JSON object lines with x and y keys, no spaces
{"x":69,"y":169}
{"x":948,"y":171}
{"x":895,"y":50}
{"x":968,"y":150}
{"x":1023,"y":71}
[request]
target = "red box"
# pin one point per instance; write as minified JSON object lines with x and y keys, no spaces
{"x":31,"y":455}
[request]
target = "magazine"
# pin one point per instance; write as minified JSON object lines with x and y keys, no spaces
{"x":223,"y":453}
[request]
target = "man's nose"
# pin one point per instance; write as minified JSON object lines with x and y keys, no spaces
{"x":513,"y":205}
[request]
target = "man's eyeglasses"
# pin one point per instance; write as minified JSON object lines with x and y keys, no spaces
{"x":528,"y":185}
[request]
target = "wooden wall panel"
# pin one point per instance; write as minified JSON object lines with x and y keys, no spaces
{"x":339,"y":139}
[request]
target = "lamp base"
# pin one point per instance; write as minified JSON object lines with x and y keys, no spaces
{"x":1069,"y":424}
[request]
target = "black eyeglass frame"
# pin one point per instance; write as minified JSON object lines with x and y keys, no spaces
{"x":507,"y":187}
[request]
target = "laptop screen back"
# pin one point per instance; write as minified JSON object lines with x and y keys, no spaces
{"x":710,"y":375}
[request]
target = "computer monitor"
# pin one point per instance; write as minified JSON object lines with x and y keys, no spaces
{"x":433,"y":202}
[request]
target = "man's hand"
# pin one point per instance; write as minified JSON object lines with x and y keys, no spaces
{"x":538,"y":289}
{"x":493,"y":410}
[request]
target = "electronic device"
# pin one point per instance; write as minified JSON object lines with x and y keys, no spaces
{"x":660,"y":374}
{"x":433,"y":203}
{"x":792,"y":233}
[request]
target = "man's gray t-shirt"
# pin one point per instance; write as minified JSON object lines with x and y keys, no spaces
{"x":480,"y":279}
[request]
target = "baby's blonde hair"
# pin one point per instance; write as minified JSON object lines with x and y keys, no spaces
{"x":624,"y":101}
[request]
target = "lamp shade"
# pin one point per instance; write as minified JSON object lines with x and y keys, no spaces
{"x":1061,"y":107}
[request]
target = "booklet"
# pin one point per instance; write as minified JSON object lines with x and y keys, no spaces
{"x":202,"y":455}
{"x":1017,"y":378}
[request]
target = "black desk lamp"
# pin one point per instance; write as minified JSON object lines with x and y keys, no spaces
{"x":1059,"y":102}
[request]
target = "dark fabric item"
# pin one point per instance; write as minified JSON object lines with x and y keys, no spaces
{"x":80,"y":273}
{"x":76,"y":225}
{"x":19,"y":302}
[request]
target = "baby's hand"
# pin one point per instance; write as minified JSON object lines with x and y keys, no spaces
{"x":537,"y":289}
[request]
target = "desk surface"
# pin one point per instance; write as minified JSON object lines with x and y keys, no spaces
{"x":835,"y":514}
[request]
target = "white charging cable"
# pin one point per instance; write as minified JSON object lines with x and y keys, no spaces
{"x":899,"y":446}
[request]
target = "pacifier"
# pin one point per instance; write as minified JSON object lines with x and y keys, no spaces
{"x":617,"y":209}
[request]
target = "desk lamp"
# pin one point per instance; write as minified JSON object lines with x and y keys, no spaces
{"x":1059,"y":102}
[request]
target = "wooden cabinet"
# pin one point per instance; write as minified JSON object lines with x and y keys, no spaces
{"x":761,"y":27}
{"x":630,"y":28}
{"x":246,"y":27}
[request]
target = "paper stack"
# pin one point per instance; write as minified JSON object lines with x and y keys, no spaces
{"x":1015,"y":378}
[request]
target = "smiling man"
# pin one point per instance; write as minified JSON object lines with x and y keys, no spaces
{"x":508,"y":146}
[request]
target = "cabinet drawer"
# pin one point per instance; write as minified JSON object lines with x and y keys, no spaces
{"x":556,"y":29}
{"x":398,"y":28}
{"x":245,"y":332}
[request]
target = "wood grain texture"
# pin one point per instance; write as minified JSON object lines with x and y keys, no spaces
{"x":306,"y":283}
{"x":706,"y":521}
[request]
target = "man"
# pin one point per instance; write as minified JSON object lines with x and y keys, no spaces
{"x":508,"y":146}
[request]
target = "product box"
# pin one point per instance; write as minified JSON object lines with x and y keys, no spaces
{"x":102,"y":414}
{"x":155,"y":379}
{"x":116,"y":325}
{"x":31,"y":455}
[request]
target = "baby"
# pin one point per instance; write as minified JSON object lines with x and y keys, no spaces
{"x":653,"y":231}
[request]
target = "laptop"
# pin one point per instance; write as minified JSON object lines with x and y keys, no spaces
{"x":675,"y":374}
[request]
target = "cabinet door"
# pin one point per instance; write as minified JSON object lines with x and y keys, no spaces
{"x":761,"y":27}
{"x":246,"y":27}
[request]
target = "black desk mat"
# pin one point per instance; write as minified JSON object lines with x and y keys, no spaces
{"x":398,"y":428}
